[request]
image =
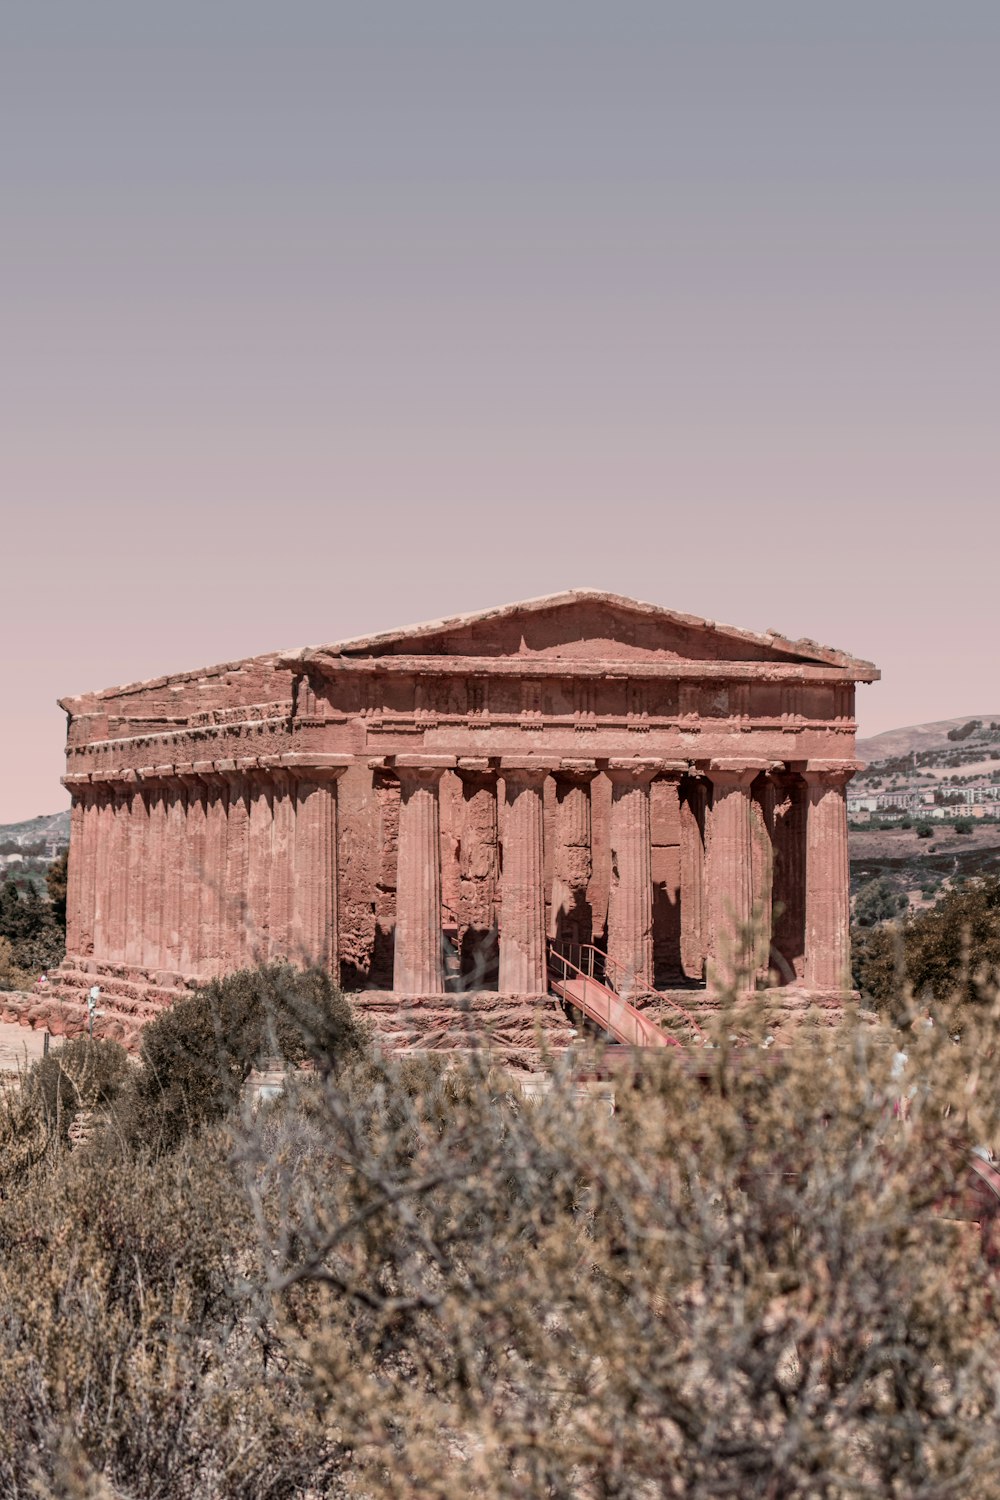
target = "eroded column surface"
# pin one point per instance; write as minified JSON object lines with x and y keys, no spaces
{"x":694,"y":924}
{"x":828,"y":879}
{"x":789,"y":825}
{"x":630,"y":907}
{"x":523,"y":968}
{"x":417,"y":959}
{"x":572,"y":857}
{"x":733,"y":954}
{"x":313,"y":918}
{"x":479,"y":859}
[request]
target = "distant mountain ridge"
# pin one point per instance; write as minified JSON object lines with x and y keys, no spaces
{"x":931,"y":736}
{"x":46,"y":825}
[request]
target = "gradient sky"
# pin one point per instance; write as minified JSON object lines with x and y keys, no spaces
{"x":317,"y":318}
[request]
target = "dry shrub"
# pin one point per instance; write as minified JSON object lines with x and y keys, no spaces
{"x":739,"y":1283}
{"x":406,"y":1279}
{"x":83,"y":1074}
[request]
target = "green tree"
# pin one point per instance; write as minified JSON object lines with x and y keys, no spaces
{"x":197,"y":1055}
{"x":27,"y":920}
{"x":947,"y":951}
{"x":878,"y":901}
{"x":56,"y":881}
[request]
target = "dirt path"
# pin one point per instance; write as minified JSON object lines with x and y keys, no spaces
{"x":19,"y":1046}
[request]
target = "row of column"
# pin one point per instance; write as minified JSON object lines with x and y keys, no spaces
{"x":206,"y":871}
{"x":417,"y":956}
{"x":790,"y":837}
{"x":201,"y":873}
{"x":738,"y":843}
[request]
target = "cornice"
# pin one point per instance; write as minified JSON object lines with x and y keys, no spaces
{"x":568,"y":670}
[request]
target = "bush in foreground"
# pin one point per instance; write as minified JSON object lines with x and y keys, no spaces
{"x":404,"y":1279}
{"x":197,"y":1056}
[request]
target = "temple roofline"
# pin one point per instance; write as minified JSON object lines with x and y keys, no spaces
{"x":340,"y":653}
{"x":770,"y":640}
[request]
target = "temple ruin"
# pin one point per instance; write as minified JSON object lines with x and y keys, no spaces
{"x":437,"y":813}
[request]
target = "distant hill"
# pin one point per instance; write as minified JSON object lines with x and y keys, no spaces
{"x":933,"y":736}
{"x":44,"y":826}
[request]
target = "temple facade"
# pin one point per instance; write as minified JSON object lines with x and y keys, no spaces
{"x":432,"y":812}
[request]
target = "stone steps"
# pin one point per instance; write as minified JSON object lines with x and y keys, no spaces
{"x":125,"y":996}
{"x":69,"y":1018}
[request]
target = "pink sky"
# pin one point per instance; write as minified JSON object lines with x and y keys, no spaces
{"x":312,"y":332}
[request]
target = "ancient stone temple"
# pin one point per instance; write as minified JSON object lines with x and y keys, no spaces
{"x":437,"y":813}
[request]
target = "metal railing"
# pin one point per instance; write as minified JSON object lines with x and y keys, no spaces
{"x":601,"y":1004}
{"x":590,"y":962}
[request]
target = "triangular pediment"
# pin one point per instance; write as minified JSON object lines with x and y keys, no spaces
{"x":582,"y":625}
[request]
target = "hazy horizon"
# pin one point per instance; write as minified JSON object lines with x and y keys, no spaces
{"x":322,"y":319}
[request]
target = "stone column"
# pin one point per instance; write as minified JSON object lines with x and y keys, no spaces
{"x":259,"y":865}
{"x":694,"y":937}
{"x":86,"y":859}
{"x":386,"y":789}
{"x":572,"y":863}
{"x":732,"y":957}
{"x":213,"y":884}
{"x":282,"y":865}
{"x":630,"y":908}
{"x":788,"y":940}
{"x":313,"y":917}
{"x":192,"y":874}
{"x":103,"y":827}
{"x":762,"y":802}
{"x":523,"y":965}
{"x":113,"y":876}
{"x":153,"y":956}
{"x":236,"y":941}
{"x":74,"y":874}
{"x":417,"y":966}
{"x":138,"y":857}
{"x":479,"y":863}
{"x":123,"y":856}
{"x":828,"y":877}
{"x":173,"y":872}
